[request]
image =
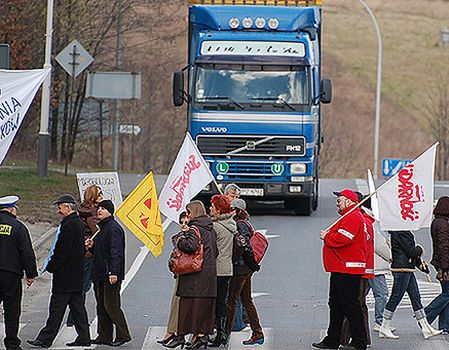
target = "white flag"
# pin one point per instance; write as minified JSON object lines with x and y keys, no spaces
{"x":189,"y":175}
{"x":374,"y":200}
{"x":406,"y":199}
{"x":17,"y":91}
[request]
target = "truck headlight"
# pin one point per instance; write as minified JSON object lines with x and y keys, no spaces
{"x":273,"y":23}
{"x":298,"y":168}
{"x":247,"y":22}
{"x":260,"y":22}
{"x":234,"y":23}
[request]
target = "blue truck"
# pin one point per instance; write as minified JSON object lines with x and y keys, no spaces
{"x":254,"y":91}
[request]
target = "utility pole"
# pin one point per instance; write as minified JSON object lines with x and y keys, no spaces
{"x":44,"y":136}
{"x":378,"y":89}
{"x":118,"y":66}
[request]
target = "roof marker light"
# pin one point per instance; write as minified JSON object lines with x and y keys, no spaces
{"x":234,"y":23}
{"x":273,"y":23}
{"x":247,"y":22}
{"x":260,"y":22}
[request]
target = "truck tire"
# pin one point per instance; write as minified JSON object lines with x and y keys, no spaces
{"x":303,"y":206}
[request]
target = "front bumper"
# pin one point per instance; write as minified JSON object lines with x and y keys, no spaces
{"x":266,"y":190}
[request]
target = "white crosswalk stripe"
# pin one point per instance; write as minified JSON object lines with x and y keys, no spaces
{"x":427,"y":290}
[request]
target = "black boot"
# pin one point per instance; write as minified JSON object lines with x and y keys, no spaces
{"x":222,"y":337}
{"x":200,"y":342}
{"x":178,"y":340}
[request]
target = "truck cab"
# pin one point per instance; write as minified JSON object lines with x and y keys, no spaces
{"x":254,"y":89}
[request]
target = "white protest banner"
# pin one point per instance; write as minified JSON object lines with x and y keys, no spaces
{"x":189,"y":175}
{"x":17,"y":91}
{"x":108,"y":182}
{"x":406,"y":199}
{"x":374,"y":200}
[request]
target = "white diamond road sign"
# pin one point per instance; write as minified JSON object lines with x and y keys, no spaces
{"x":74,"y":58}
{"x":391,"y":166}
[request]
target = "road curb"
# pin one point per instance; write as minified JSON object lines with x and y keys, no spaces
{"x":38,"y":242}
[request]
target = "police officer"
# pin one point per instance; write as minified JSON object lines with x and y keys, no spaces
{"x":16,"y":256}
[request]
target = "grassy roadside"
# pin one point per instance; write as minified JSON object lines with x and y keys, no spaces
{"x":412,"y":60}
{"x":36,"y":193}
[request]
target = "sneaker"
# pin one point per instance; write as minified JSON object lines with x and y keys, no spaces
{"x":254,"y":340}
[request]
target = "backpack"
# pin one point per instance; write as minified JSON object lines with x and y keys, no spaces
{"x":258,"y":242}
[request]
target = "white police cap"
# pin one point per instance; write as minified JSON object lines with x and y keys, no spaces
{"x":8,"y":201}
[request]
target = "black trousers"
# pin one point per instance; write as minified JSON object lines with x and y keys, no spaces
{"x":221,"y":308}
{"x":11,"y":297}
{"x":58,"y":306}
{"x":344,"y":302}
{"x":109,"y":312}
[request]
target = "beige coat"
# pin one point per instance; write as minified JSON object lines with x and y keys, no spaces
{"x":225,"y":227}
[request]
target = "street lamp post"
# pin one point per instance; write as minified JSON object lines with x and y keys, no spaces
{"x":378,"y":89}
{"x":44,"y":136}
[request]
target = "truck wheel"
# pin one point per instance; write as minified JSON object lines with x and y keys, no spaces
{"x":315,"y":196}
{"x":303,"y":206}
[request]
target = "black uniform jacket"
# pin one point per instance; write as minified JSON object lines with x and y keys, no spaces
{"x":109,"y":251}
{"x":16,"y":251}
{"x":67,"y":262}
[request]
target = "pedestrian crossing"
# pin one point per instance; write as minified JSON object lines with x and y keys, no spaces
{"x":428,"y":291}
{"x":153,"y":334}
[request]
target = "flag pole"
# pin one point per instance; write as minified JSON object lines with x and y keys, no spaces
{"x":375,"y":191}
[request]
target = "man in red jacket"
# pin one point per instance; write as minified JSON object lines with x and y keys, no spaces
{"x":344,"y":256}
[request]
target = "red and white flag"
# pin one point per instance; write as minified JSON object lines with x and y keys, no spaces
{"x":406,"y":199}
{"x":189,"y":175}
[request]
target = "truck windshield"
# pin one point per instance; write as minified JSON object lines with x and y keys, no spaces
{"x":255,"y":87}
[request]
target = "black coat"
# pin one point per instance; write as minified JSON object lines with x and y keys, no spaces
{"x":67,"y":261}
{"x":16,"y":251}
{"x":201,"y":284}
{"x":440,"y":241}
{"x":243,"y":255}
{"x":109,"y":251}
{"x":404,"y":251}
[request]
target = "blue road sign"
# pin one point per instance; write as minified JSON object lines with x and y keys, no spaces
{"x":391,"y":166}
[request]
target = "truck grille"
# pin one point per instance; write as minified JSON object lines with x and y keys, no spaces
{"x":260,"y":146}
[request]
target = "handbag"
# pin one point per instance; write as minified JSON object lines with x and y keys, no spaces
{"x":181,"y":263}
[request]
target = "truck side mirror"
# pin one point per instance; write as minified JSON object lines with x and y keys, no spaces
{"x":326,"y":91}
{"x":178,"y":89}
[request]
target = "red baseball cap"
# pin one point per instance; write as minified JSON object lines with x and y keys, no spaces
{"x":348,"y":194}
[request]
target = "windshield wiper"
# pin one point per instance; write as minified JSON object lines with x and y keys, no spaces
{"x":226,"y":98}
{"x":276,"y":101}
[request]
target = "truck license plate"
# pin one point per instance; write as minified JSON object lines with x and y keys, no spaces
{"x":251,"y":191}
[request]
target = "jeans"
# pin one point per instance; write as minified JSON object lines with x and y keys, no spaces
{"x":238,"y":321}
{"x":380,"y":291}
{"x":404,"y":282}
{"x":440,"y":307}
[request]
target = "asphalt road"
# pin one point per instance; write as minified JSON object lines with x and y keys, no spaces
{"x":290,"y":290}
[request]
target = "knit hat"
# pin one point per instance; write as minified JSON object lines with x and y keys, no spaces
{"x":108,"y":205}
{"x":238,"y":204}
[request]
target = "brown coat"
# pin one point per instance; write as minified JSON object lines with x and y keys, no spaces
{"x":440,"y":241}
{"x":201,"y":284}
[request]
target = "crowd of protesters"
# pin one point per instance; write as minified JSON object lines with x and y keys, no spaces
{"x":208,"y":298}
{"x":89,"y":247}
